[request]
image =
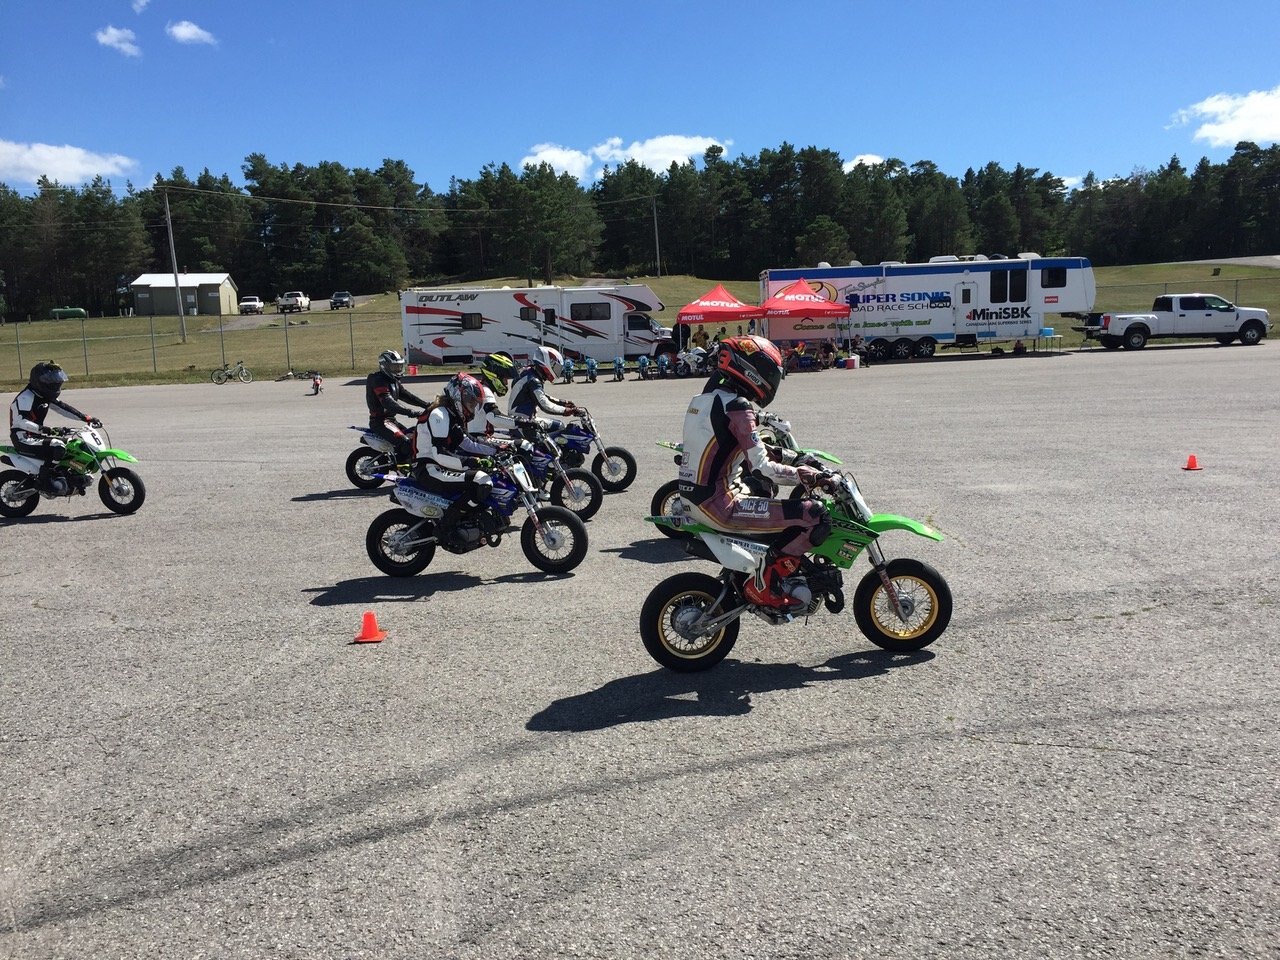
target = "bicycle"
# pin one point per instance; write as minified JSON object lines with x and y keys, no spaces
{"x":228,"y":371}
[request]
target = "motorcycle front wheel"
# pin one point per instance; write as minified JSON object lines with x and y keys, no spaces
{"x":18,"y":496}
{"x":362,"y":462}
{"x":661,"y":506}
{"x":582,"y":495}
{"x":926,"y":600}
{"x":668,"y":623}
{"x":121,"y":490}
{"x":387,"y":547}
{"x":616,"y":468}
{"x":559,"y":544}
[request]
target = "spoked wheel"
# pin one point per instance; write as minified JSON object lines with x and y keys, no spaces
{"x":219,"y":377}
{"x":362,"y":463}
{"x":663,"y":505}
{"x":616,"y":468}
{"x":558,"y":544}
{"x":673,"y":623}
{"x":582,"y":495}
{"x":18,"y":494}
{"x":391,"y":544}
{"x":925,"y":598}
{"x":121,"y":490}
{"x":245,"y":376}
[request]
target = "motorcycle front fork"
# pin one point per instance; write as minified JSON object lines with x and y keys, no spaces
{"x":880,"y":565}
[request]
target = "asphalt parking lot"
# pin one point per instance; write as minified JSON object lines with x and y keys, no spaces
{"x":198,"y":762}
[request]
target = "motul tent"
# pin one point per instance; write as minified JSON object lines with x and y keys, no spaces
{"x":717,"y":306}
{"x":797,"y":313}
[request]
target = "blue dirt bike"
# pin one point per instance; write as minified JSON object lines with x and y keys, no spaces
{"x":615,"y":467}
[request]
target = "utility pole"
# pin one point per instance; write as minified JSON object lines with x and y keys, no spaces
{"x":177,"y":286}
{"x":657,"y":254}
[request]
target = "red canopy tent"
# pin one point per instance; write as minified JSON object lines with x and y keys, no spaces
{"x":718,"y":306}
{"x":797,"y":313}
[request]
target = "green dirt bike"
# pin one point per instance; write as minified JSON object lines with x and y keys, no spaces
{"x":690,"y":621}
{"x":88,"y":453}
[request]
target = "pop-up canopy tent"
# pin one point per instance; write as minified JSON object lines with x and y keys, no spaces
{"x":718,"y":305}
{"x":797,"y":313}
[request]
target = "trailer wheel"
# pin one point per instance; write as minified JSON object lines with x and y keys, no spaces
{"x":878,"y":351}
{"x":926,"y":348}
{"x":902,"y":349}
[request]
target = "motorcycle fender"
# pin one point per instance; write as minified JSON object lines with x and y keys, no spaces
{"x":734,"y":553}
{"x":118,"y":454}
{"x":884,"y":522}
{"x":416,"y":500}
{"x":23,"y":463}
{"x":822,"y":455}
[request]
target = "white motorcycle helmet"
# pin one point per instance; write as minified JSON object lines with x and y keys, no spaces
{"x":548,"y":362}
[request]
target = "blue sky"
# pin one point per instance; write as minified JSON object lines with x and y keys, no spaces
{"x":131,"y":88}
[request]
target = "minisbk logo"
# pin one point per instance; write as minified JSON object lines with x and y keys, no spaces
{"x":1000,"y":313}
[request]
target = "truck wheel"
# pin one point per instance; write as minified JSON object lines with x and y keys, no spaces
{"x":1135,"y":338}
{"x":1111,"y":343}
{"x":926,"y":348}
{"x":1251,"y":334}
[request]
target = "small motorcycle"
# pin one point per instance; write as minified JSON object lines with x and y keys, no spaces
{"x":693,"y":362}
{"x":619,"y":369}
{"x":317,"y":385}
{"x":774,"y":431}
{"x":368,"y":463}
{"x":614,"y":466}
{"x":402,"y":542}
{"x":573,"y":488}
{"x":690,"y":621}
{"x":88,"y":453}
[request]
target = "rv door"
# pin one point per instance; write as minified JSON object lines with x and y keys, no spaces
{"x":966,"y":299}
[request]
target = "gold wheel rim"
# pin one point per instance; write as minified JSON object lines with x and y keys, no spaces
{"x":670,"y":637}
{"x":924,"y":614}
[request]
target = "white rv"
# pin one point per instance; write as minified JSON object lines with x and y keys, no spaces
{"x":458,"y":326}
{"x":909,"y":309}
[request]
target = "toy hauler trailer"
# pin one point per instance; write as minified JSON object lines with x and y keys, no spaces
{"x":903,"y":310}
{"x":462,"y":325}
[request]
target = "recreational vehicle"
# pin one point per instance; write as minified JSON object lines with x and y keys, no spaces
{"x":457,"y":326}
{"x":903,"y":310}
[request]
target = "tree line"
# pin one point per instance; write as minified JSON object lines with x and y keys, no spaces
{"x":326,"y":227}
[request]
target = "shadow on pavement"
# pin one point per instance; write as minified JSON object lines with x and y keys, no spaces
{"x":343,"y":494}
{"x":723,"y":691}
{"x":364,"y":590}
{"x":658,"y":550}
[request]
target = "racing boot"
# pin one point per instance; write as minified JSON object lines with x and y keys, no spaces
{"x":784,"y":587}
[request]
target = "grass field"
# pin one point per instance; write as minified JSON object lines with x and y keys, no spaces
{"x":110,"y":351}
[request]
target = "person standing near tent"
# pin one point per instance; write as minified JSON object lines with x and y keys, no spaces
{"x":700,"y":337}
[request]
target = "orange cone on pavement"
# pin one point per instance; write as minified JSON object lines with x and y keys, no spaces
{"x":369,"y":632}
{"x":1192,"y":463}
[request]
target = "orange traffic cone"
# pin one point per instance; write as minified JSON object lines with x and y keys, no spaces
{"x":1192,"y":464}
{"x":369,"y":632}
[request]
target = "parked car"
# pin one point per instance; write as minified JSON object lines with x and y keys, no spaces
{"x":251,"y":305}
{"x":341,"y":299}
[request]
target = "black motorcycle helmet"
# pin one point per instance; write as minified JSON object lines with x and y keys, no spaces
{"x":47,"y":379}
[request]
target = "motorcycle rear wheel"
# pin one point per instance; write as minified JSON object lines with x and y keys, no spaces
{"x":924,"y":592}
{"x":673,"y":604}
{"x":660,"y":506}
{"x":582,"y":495}
{"x":616,"y":468}
{"x":361,"y":462}
{"x":12,"y":502}
{"x":560,"y":545}
{"x":381,"y":543}
{"x":121,"y":490}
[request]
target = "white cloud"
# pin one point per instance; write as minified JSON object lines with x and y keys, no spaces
{"x":184,"y":31}
{"x":656,"y":153}
{"x":1071,"y":183}
{"x":1,"y":83}
{"x":862,"y":160}
{"x":27,"y":162}
{"x":1229,"y":118}
{"x":140,"y":5}
{"x":120,"y":39}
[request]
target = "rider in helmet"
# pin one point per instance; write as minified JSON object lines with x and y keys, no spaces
{"x":26,"y":419}
{"x":383,"y":393}
{"x":719,"y":431}
{"x":447,"y":460}
{"x":528,"y":395}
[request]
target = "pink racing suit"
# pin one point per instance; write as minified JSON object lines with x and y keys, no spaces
{"x":719,"y":432}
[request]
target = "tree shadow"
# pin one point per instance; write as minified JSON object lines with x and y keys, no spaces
{"x":723,"y":691}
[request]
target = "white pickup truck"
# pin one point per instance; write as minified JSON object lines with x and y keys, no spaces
{"x":1189,"y":316}
{"x":295,"y":301}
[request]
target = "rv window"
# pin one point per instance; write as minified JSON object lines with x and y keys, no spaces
{"x":529,"y":314}
{"x":966,"y":295}
{"x":589,"y":312}
{"x":1052,"y":277}
{"x":999,"y":286}
{"x":1017,"y":286}
{"x":638,"y":321}
{"x":472,"y":321}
